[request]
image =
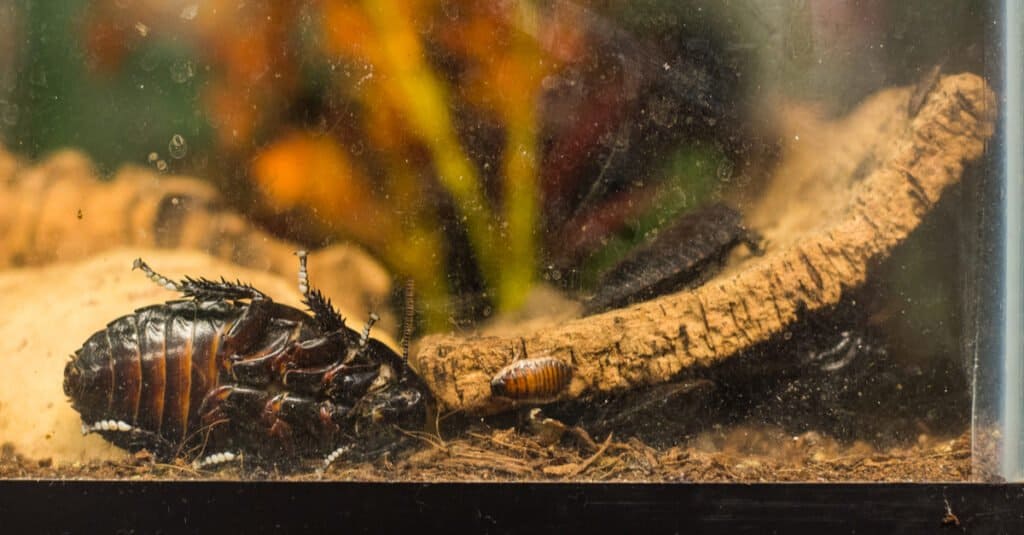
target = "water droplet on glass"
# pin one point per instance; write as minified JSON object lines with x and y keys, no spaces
{"x":161,"y":166}
{"x":663,"y":112}
{"x":152,"y":157}
{"x":182,"y":70}
{"x":189,"y":11}
{"x":9,"y":112}
{"x":149,"y":60}
{"x":424,"y":25}
{"x":177,"y":147}
{"x":38,"y":77}
{"x":321,"y":126}
{"x":451,"y":10}
{"x":724,"y":170}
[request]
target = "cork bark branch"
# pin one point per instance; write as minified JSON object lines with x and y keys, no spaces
{"x":843,"y":195}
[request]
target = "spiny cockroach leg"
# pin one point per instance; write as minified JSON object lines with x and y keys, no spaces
{"x":365,"y":335}
{"x":303,"y":274}
{"x":208,"y":290}
{"x":156,"y":277}
{"x":249,"y":329}
{"x":215,"y":459}
{"x":202,"y":289}
{"x":327,"y":318}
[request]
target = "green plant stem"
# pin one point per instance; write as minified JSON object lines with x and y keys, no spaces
{"x":424,"y":100}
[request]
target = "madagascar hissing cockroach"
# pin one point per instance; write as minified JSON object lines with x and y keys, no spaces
{"x":532,"y":380}
{"x":680,"y":256}
{"x":229,"y":369}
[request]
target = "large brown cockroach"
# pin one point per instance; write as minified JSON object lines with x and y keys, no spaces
{"x":229,"y":370}
{"x":683,"y":255}
{"x":532,"y":380}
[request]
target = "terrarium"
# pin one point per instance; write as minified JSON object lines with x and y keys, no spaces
{"x":513,"y":241}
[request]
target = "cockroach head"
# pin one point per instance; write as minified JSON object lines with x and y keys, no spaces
{"x":72,"y":379}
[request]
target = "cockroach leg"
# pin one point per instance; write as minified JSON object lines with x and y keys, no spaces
{"x":208,"y":290}
{"x":216,"y":459}
{"x":334,"y":456}
{"x":128,"y":436}
{"x":303,"y":274}
{"x":154,"y":276}
{"x":323,"y":311}
{"x":106,"y":425}
{"x":754,"y":241}
{"x":248,"y":330}
{"x":364,"y":337}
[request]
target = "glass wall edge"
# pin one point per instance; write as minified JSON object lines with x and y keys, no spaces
{"x":1012,"y":458}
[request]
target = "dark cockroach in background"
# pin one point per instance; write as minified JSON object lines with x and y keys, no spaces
{"x":683,"y":255}
{"x":228,"y":370}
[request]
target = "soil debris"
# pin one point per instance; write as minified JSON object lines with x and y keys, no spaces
{"x":742,"y":453}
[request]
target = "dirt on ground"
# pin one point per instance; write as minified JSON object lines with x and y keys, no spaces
{"x":739,"y":454}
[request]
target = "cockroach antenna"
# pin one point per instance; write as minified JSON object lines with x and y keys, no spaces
{"x":409,"y":321}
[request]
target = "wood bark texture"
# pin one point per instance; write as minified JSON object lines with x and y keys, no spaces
{"x":844,"y":193}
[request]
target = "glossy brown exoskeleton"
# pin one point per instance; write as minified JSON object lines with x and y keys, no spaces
{"x":680,"y":256}
{"x":229,"y":369}
{"x":535,"y":380}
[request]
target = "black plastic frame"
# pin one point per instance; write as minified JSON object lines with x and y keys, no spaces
{"x":286,"y":507}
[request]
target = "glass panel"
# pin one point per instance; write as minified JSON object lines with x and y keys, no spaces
{"x":1002,"y":447}
{"x":547,"y":240}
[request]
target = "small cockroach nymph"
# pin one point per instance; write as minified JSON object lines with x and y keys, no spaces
{"x":532,"y":380}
